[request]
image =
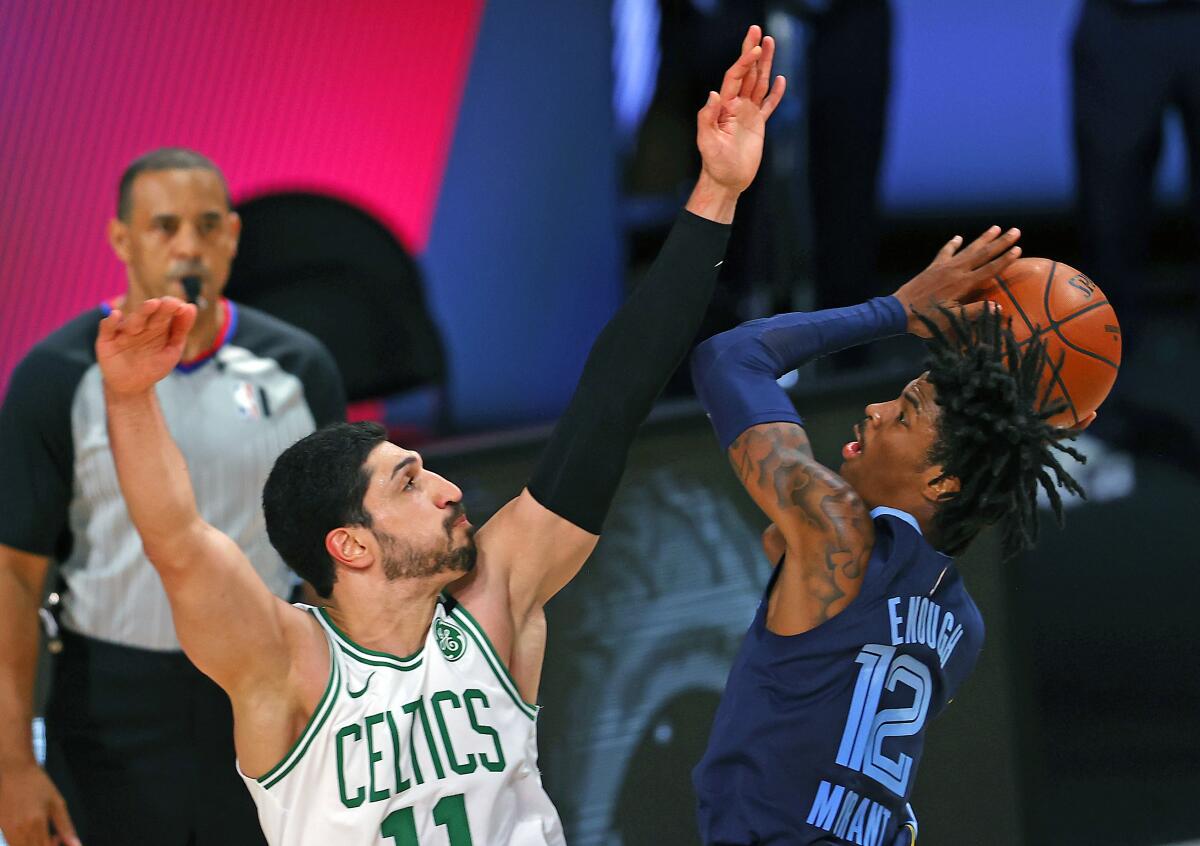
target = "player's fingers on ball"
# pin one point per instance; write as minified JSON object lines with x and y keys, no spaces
{"x":949,"y":248}
{"x":975,"y":311}
{"x":996,"y":248}
{"x":1085,"y":422}
{"x":979,"y":246}
{"x":998,"y":264}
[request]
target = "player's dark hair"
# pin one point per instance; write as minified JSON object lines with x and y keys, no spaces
{"x":993,"y":432}
{"x":164,"y":158}
{"x":316,"y":485}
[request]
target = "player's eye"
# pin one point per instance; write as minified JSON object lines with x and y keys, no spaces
{"x":902,"y":417}
{"x":409,"y":486}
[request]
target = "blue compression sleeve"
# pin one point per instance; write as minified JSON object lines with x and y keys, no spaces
{"x":734,"y":372}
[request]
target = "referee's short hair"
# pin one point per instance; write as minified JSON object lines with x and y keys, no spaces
{"x":164,"y":158}
{"x":317,"y":485}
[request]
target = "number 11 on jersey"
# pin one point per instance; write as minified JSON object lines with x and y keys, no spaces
{"x":450,"y":811}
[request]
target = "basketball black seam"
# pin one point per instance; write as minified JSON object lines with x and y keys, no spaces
{"x":1056,"y":377}
{"x":1088,"y":353}
{"x":1034,"y":332}
{"x":1056,"y":324}
{"x":1056,"y":370}
{"x":1004,"y":287}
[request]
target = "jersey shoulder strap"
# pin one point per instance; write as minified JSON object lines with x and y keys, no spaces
{"x":319,"y":716}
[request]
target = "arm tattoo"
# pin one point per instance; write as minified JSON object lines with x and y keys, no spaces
{"x":775,"y":464}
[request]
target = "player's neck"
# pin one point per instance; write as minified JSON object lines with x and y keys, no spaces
{"x":922,"y":511}
{"x":392,"y":617}
{"x":924,"y":517}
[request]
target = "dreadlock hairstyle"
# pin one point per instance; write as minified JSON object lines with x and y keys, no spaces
{"x":993,"y":432}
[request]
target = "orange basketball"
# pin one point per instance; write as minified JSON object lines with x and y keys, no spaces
{"x":1074,"y":319}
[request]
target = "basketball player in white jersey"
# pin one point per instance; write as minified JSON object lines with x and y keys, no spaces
{"x":402,"y":711}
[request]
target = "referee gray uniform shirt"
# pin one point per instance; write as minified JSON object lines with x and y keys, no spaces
{"x":123,"y":694}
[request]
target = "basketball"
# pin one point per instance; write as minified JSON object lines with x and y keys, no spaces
{"x":1050,"y":300}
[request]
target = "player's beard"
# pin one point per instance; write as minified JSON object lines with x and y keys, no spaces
{"x":401,"y":561}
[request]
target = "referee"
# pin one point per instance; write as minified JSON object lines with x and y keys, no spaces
{"x":139,"y":743}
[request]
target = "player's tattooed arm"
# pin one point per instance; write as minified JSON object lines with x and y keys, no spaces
{"x":825,"y":524}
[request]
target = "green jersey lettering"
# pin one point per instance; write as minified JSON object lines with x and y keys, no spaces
{"x":417,"y":709}
{"x":374,"y":757}
{"x":355,"y":732}
{"x":496,"y":764}
{"x":402,"y":784}
{"x":436,"y":700}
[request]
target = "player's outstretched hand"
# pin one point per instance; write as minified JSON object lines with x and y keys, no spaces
{"x":956,"y":275}
{"x":732,"y":124}
{"x":135,"y":350}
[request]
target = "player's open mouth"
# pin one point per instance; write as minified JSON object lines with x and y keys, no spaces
{"x":855,"y":447}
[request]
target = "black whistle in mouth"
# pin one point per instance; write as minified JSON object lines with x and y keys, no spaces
{"x":191,"y":287}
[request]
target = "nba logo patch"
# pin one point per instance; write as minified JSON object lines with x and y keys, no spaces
{"x":245,"y":398}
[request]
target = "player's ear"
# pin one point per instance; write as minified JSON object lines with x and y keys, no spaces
{"x":346,"y":547}
{"x":938,"y":484}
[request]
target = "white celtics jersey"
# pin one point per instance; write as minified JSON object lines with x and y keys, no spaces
{"x":435,"y":749}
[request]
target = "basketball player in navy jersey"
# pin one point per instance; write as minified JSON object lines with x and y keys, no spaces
{"x":866,"y":629}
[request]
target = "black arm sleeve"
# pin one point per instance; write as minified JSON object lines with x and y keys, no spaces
{"x":629,"y":365}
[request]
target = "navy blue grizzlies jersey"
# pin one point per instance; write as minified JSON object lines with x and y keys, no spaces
{"x":818,"y":735}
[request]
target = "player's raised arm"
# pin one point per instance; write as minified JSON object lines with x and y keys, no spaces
{"x":825,"y":525}
{"x":219,"y":603}
{"x":551,"y":528}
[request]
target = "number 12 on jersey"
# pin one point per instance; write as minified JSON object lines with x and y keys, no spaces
{"x":867,"y":727}
{"x":450,"y":811}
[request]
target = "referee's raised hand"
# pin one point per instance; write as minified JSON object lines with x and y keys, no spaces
{"x":135,"y":350}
